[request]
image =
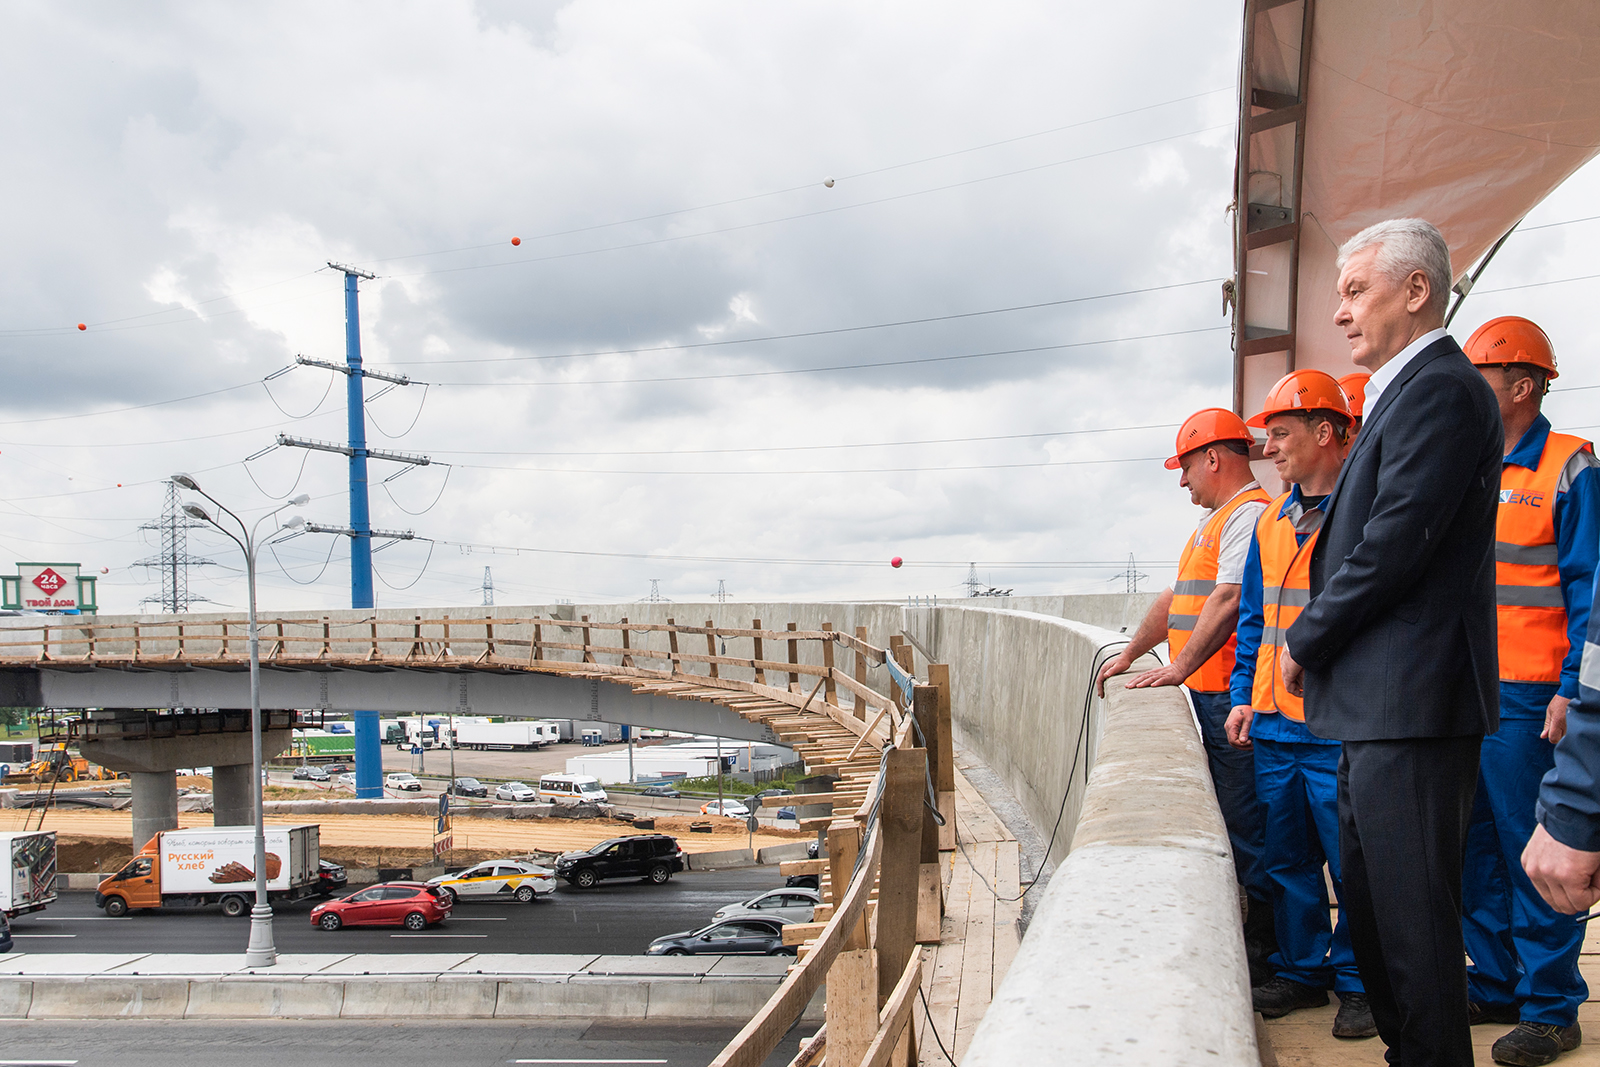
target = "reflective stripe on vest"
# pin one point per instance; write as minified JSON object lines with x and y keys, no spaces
{"x":1285,"y":591}
{"x":1532,"y":614}
{"x":1197,"y":578}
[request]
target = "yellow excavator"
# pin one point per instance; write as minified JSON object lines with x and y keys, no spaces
{"x":56,"y":764}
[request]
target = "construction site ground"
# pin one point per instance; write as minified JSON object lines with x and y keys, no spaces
{"x":95,"y":840}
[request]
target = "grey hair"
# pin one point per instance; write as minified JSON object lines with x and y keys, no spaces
{"x":1404,"y":246}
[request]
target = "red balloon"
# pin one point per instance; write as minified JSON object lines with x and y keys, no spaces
{"x":81,"y":326}
{"x":896,"y":562}
{"x":516,"y":240}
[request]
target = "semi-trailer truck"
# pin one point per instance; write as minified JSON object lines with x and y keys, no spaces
{"x":214,"y":865}
{"x":520,"y":735}
{"x":30,"y":879}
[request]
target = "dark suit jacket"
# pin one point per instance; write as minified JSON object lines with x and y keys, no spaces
{"x":1399,"y":638}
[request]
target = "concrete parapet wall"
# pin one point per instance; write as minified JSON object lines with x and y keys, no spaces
{"x":1135,"y":954}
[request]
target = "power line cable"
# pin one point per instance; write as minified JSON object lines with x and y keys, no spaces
{"x":314,"y":408}
{"x":286,"y":493}
{"x":333,"y":542}
{"x":832,"y":331}
{"x":414,"y":581}
{"x":448,"y":469}
{"x":723,"y":472}
{"x":373,"y":418}
{"x":831,"y":368}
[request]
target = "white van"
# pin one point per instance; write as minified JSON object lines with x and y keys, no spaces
{"x":571,"y":789}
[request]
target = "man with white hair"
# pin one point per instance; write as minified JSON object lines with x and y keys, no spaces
{"x":1396,"y":651}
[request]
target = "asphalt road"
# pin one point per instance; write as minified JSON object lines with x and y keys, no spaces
{"x":616,"y":918}
{"x":344,"y":1042}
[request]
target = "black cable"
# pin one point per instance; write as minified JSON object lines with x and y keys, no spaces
{"x":448,"y":468}
{"x":395,"y":437}
{"x":414,"y":581}
{"x":314,"y":408}
{"x":934,"y":1030}
{"x":332,"y":544}
{"x":279,"y":496}
{"x":1077,"y":746}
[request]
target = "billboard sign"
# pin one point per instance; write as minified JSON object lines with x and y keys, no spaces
{"x":49,"y":586}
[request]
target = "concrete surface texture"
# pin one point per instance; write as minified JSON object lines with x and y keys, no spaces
{"x":1145,"y":908}
{"x":188,"y":986}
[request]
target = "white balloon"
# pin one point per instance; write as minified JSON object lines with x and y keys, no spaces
{"x":828,"y":182}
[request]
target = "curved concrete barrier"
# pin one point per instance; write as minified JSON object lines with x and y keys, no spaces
{"x":1135,"y":953}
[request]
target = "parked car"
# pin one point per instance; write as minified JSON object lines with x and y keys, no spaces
{"x":521,"y":792}
{"x":653,"y":856}
{"x":5,"y":933}
{"x":468,"y":787}
{"x":785,"y":813}
{"x":410,"y":904}
{"x":307,"y":773}
{"x":784,"y":905}
{"x":330,"y":878}
{"x":730,"y":808}
{"x":403,"y":780}
{"x":659,"y":791}
{"x":745,"y":937}
{"x":497,"y":880}
{"x":346,"y":779}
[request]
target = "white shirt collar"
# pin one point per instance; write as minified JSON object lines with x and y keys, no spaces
{"x":1389,"y":371}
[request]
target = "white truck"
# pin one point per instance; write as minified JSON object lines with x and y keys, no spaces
{"x":505,"y":736}
{"x":30,"y":880}
{"x":214,"y":865}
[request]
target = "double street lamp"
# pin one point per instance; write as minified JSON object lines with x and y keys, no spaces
{"x":261,"y":951}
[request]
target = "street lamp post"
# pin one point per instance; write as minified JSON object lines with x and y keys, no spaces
{"x":261,"y":952}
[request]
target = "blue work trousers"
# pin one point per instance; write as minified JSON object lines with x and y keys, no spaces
{"x":1523,"y":951}
{"x":1233,"y":776}
{"x":1298,"y":783}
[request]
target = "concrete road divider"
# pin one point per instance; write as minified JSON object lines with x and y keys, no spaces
{"x":716,"y":861}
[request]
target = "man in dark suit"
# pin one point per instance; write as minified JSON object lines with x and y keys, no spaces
{"x":1396,"y":651}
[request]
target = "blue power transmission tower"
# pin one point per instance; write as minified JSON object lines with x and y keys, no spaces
{"x":369,"y":745}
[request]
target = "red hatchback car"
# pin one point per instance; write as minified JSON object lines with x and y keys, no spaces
{"x":410,"y":904}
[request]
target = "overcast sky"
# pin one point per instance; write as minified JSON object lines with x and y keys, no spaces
{"x":698,"y":349}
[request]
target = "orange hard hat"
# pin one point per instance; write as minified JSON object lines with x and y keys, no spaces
{"x":1206,"y":427}
{"x":1355,"y":390}
{"x":1511,"y":339}
{"x":1301,"y":390}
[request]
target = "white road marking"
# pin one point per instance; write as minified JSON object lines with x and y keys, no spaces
{"x":483,"y":919}
{"x":38,"y":935}
{"x":446,"y":935}
{"x":39,"y":1063}
{"x":586,"y":1061}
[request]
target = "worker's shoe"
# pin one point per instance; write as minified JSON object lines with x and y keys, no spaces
{"x":1532,"y":1044}
{"x":1478,"y":1014}
{"x":1280,"y":996}
{"x":1355,"y":1017}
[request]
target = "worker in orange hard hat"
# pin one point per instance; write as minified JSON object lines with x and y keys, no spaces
{"x":1547,"y":539}
{"x":1307,"y":419}
{"x":1197,"y":616}
{"x":1355,"y":391}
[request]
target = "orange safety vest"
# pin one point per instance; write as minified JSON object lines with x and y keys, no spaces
{"x":1197,"y":577}
{"x":1285,"y":591}
{"x":1533,"y":616}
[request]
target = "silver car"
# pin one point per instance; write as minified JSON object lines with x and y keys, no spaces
{"x":517,"y":791}
{"x":785,"y":905}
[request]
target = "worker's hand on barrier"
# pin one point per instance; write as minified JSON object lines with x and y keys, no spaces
{"x":1293,"y":674}
{"x":1168,"y":675}
{"x":1567,"y":878}
{"x":1116,"y":665}
{"x":1555,"y":719}
{"x":1238,"y":726}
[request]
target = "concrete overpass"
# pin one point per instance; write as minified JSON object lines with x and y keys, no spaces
{"x":1142,"y":902}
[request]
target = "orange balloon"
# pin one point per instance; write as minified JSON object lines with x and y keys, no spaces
{"x":81,"y":326}
{"x":516,"y":240}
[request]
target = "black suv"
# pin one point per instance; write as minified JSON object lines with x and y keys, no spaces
{"x":468,"y":787}
{"x":653,"y":856}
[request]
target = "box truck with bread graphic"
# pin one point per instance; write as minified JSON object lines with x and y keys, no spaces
{"x":214,"y":865}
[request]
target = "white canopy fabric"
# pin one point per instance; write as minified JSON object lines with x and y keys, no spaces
{"x":1464,"y":112}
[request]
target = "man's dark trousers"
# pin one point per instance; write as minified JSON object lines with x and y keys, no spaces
{"x":1404,"y":809}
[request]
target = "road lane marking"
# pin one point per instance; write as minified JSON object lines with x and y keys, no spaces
{"x":444,"y":935}
{"x":586,"y":1061}
{"x":49,"y":1063}
{"x":460,"y":919}
{"x":38,"y":935}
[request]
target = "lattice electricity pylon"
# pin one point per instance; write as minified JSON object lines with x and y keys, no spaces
{"x":174,"y":561}
{"x":722,"y":591}
{"x":972,"y":583}
{"x":1130,"y":576}
{"x":488,"y":588}
{"x":655,"y":596}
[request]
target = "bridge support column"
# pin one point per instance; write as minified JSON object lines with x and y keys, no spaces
{"x":155,"y":804}
{"x":232,"y":799}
